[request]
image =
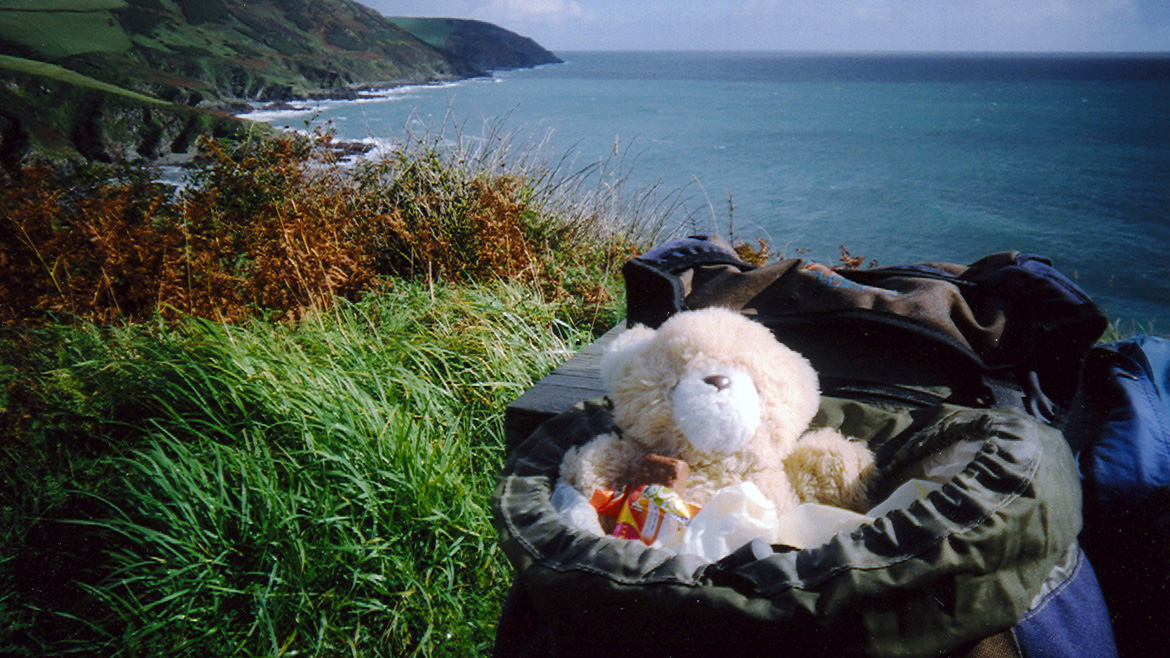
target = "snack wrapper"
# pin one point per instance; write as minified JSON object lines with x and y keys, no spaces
{"x":646,"y":512}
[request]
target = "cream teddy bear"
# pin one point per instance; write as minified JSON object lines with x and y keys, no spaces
{"x":718,"y":391}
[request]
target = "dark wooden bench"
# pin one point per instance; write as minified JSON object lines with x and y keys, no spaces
{"x":574,"y":381}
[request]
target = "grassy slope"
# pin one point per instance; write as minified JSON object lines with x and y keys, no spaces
{"x":57,"y":34}
{"x":292,"y":46}
{"x":64,"y":75}
{"x":295,"y":47}
{"x":59,"y":113}
{"x":62,"y":5}
{"x":434,"y":31}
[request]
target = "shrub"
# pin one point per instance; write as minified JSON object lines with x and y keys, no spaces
{"x":280,"y":227}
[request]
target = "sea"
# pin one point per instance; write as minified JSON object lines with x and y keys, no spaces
{"x":899,"y":158}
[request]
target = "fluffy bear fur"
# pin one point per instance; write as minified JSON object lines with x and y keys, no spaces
{"x":772,"y":446}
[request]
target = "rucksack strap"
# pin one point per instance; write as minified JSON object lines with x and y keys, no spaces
{"x":654,"y":288}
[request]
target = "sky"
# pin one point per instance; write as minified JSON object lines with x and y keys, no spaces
{"x":818,"y":25}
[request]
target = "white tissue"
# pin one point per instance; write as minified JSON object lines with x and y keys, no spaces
{"x":740,"y":513}
{"x":575,"y":509}
{"x":812,"y":524}
{"x":732,"y":517}
{"x":737,"y":514}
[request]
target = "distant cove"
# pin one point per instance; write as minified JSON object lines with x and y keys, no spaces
{"x":900,"y":158}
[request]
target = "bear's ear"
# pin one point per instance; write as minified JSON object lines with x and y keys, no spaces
{"x":622,"y":350}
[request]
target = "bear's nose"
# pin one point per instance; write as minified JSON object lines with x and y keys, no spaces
{"x":718,"y":381}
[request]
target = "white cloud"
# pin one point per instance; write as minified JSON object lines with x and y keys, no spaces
{"x":555,"y":11}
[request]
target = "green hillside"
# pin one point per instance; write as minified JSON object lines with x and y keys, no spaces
{"x":116,"y":60}
{"x":485,"y":45}
{"x":63,"y":32}
{"x":58,"y":113}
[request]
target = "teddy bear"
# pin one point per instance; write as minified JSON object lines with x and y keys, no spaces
{"x":715,"y":389}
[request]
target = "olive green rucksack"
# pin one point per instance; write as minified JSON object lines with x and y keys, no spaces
{"x":987,"y":564}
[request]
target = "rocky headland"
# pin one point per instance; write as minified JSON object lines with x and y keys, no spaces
{"x":118,"y":80}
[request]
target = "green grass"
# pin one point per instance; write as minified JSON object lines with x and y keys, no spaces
{"x":433,"y":31}
{"x":318,"y":489}
{"x":62,"y":5}
{"x":316,"y":485}
{"x":61,"y":74}
{"x":1121,"y":330}
{"x":61,"y":34}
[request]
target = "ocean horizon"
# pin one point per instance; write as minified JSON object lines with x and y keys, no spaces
{"x":899,"y":157}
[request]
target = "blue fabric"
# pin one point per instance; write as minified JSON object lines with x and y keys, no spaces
{"x":1070,"y":622}
{"x":1041,"y":267}
{"x":1121,"y":426}
{"x":687,"y":252}
{"x":1129,"y":458}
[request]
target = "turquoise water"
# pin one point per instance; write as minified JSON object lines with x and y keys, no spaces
{"x":900,"y":158}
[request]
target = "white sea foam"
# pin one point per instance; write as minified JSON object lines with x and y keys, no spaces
{"x":270,"y":116}
{"x":302,"y":108}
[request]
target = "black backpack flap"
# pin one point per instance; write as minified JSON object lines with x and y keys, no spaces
{"x":658,"y":281}
{"x":1050,"y":323}
{"x":892,"y":337}
{"x":938,"y":329}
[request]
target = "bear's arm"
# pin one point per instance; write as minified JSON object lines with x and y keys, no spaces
{"x":825,"y":467}
{"x":606,"y":462}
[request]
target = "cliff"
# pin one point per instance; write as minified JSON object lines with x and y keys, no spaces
{"x":122,"y":79}
{"x":483,"y":45}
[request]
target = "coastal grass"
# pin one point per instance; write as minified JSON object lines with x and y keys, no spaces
{"x":61,"y":5}
{"x":64,"y":75}
{"x":262,"y":414}
{"x":318,"y":488}
{"x":57,"y":34}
